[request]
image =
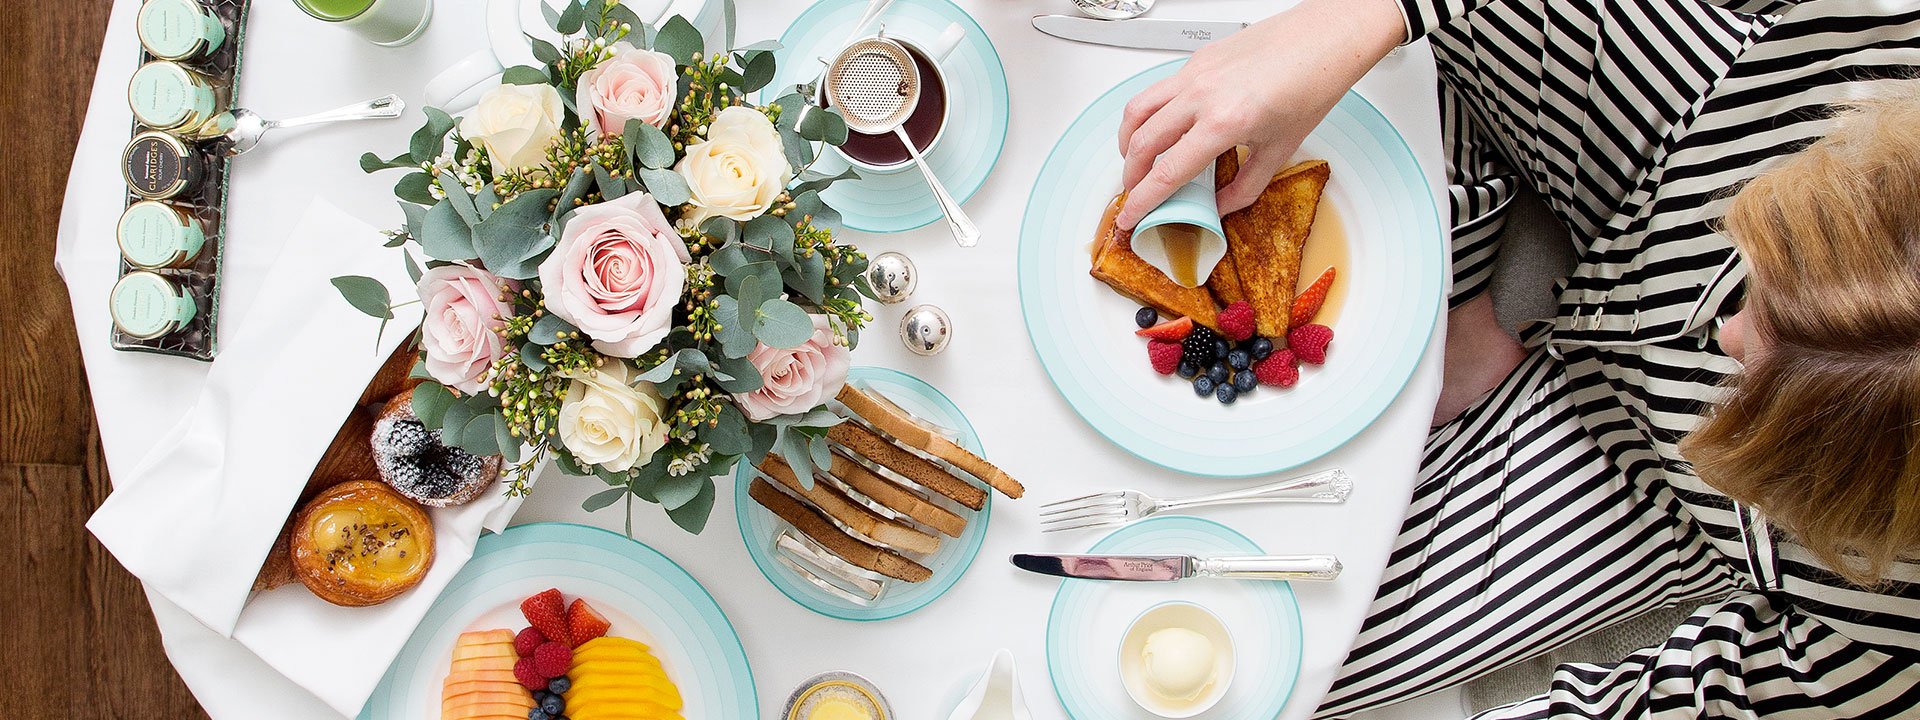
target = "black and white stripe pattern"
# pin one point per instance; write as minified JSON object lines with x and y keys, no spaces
{"x":1559,"y":504}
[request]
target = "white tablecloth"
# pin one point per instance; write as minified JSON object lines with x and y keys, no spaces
{"x":294,"y":65}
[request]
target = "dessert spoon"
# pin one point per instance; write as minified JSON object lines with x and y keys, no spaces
{"x":249,"y":126}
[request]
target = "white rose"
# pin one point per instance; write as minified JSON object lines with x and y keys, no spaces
{"x":606,"y":422}
{"x":515,"y":123}
{"x":738,"y":171}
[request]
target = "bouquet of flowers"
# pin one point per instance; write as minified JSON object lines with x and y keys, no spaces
{"x":628,"y":270}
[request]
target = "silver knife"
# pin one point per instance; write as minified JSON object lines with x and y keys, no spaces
{"x":1149,"y":33}
{"x":1162,"y":568}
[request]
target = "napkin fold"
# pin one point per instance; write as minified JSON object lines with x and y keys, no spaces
{"x":200,"y":512}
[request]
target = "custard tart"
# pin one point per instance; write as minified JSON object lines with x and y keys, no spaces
{"x":360,"y":543}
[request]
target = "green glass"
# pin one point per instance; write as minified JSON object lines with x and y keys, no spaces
{"x":382,"y":22}
{"x":335,"y":9}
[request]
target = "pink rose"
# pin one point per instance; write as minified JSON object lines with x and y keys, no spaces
{"x":796,"y":380}
{"x":617,"y":273}
{"x":464,"y":312}
{"x":634,"y":83}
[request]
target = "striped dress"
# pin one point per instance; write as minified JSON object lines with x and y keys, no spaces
{"x":1558,"y":504}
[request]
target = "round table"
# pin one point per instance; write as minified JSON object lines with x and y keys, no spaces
{"x":924,"y":660}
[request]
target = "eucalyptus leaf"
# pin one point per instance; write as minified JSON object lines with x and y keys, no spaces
{"x":679,"y":40}
{"x":577,"y":188}
{"x":570,"y":467}
{"x":735,"y":335}
{"x":412,"y":188}
{"x":624,"y":15}
{"x":793,"y":448}
{"x":648,"y":147}
{"x":428,"y":140}
{"x":819,"y":418}
{"x":799,"y":151}
{"x":748,"y":292}
{"x":605,"y":497}
{"x":413,"y":267}
{"x":758,"y":72}
{"x":530,"y":356}
{"x":479,"y":437}
{"x":824,"y":125}
{"x":514,"y":232}
{"x":430,"y":403}
{"x":666,"y":186}
{"x":728,"y":434}
{"x":673,"y":492}
{"x":762,"y":46}
{"x":455,"y":419}
{"x":552,"y":16}
{"x":504,"y":439}
{"x":444,"y":236}
{"x":550,"y":329}
{"x":792,"y":106}
{"x":741,"y":375}
{"x":690,"y":360}
{"x":529,"y":266}
{"x":571,"y":18}
{"x":457,"y":196}
{"x":611,"y":186}
{"x":416,"y":215}
{"x":723,"y":230}
{"x":766,"y":272}
{"x":365,"y":294}
{"x":542,"y":50}
{"x":782,"y":324}
{"x":808,"y":276}
{"x":730,"y":258}
{"x":770,"y":233}
{"x":524,"y":75}
{"x":763,"y":437}
{"x":371,"y":163}
{"x":822,"y":455}
{"x":729,"y":17}
{"x":817,"y":184}
{"x":692,"y":515}
{"x":485,"y":201}
{"x":808,"y":207}
{"x":420,"y":370}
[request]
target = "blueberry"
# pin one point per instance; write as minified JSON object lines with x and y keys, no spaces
{"x":1203,"y":386}
{"x":559,"y":685}
{"x":1146,"y":317}
{"x":1226,"y":394}
{"x":1219,"y":373}
{"x":538,"y":714}
{"x":540,"y":696}
{"x":1239,"y":359}
{"x":1220,"y":348}
{"x":1245,"y":381}
{"x":1187,"y":369}
{"x":1262,"y":347}
{"x":554,"y":704}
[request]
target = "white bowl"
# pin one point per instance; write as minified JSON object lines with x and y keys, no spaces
{"x":1166,"y":615}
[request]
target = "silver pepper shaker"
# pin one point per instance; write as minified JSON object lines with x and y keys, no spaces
{"x":925,"y":329}
{"x":892,"y":277}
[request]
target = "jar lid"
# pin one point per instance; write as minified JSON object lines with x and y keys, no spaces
{"x":174,"y":29}
{"x":146,"y":305}
{"x":157,"y":165}
{"x":153,"y":234}
{"x":165,"y":95}
{"x":837,"y":693}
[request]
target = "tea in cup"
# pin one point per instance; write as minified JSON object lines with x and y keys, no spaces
{"x":884,"y":153}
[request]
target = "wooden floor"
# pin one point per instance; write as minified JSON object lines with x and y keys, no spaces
{"x":78,"y":638}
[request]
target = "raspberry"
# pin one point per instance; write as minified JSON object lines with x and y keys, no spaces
{"x":551,"y":660}
{"x":1308,"y":303}
{"x":526,"y":641}
{"x":523,"y":671}
{"x":584,"y":623}
{"x":1281,"y":369}
{"x":1236,"y":322}
{"x":547,"y":613}
{"x":1309,"y":343}
{"x":1198,"y":347}
{"x":1165,"y":355}
{"x":1169,"y":330}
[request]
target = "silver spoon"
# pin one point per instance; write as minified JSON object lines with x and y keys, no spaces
{"x":248,"y":126}
{"x":876,"y":86}
{"x":1113,"y":9}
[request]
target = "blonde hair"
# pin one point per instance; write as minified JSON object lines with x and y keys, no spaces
{"x":1821,"y":431}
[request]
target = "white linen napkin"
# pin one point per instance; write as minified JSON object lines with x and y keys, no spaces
{"x":200,"y":512}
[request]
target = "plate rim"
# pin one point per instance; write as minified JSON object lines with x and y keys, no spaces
{"x":1255,"y":467}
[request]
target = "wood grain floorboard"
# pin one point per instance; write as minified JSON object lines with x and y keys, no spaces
{"x":80,"y":640}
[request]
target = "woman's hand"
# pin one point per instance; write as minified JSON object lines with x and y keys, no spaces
{"x":1264,"y":87}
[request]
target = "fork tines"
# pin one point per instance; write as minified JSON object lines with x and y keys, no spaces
{"x":1086,"y":511}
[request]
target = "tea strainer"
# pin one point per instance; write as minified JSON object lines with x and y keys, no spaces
{"x":876,"y":86}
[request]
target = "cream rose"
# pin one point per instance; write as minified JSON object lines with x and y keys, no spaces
{"x":605,"y":421}
{"x":796,"y":380}
{"x":738,"y":171}
{"x":515,"y":123}
{"x":634,"y":84}
{"x":460,"y":330}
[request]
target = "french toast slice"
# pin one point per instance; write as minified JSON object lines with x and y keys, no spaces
{"x":1115,"y":264}
{"x":1265,"y":240}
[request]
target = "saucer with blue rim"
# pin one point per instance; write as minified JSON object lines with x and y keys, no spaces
{"x":977,"y":103}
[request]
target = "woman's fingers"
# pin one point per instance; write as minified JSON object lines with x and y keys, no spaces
{"x":1152,"y":138}
{"x":1255,"y":173}
{"x":1174,"y":168}
{"x":1145,"y":105}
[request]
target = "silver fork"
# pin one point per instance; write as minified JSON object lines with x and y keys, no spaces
{"x":1124,"y":506}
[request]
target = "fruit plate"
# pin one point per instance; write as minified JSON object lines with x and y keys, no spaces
{"x":759,"y":526}
{"x":1084,"y":332}
{"x":1089,"y":619}
{"x":645,"y":597}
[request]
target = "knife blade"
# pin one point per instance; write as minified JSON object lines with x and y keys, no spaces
{"x":1166,"y":568}
{"x":1149,"y":33}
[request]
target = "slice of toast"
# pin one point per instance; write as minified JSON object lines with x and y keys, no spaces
{"x":896,"y":422}
{"x":849,"y":548}
{"x":1115,"y":264}
{"x":896,"y":496}
{"x":866,"y":444}
{"x":1266,"y":239}
{"x":840,"y":506}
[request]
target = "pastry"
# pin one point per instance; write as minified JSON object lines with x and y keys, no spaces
{"x":1115,"y":264}
{"x":361,"y":543}
{"x":852,"y":549}
{"x":895,"y":496}
{"x":851,"y":513}
{"x":412,"y":459}
{"x":894,"y":421}
{"x":866,"y":444}
{"x":1265,"y":239}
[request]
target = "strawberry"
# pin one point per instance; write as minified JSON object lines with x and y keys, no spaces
{"x":1309,"y":343}
{"x":1307,"y":304}
{"x":547,"y":612}
{"x":1281,"y":369}
{"x":550,"y":660}
{"x":584,"y":623}
{"x":526,"y":641}
{"x":1169,"y":330}
{"x":1165,"y":355}
{"x":523,"y":671}
{"x":1236,"y":321}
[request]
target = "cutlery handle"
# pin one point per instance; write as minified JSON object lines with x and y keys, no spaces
{"x":962,"y":227}
{"x":1270,"y":567}
{"x":385,"y":106}
{"x":1331,"y":486}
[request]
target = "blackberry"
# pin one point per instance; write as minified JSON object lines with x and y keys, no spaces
{"x":410,"y":437}
{"x":1198,"y":347}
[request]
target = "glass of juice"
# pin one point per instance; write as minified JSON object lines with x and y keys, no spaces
{"x":381,"y":22}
